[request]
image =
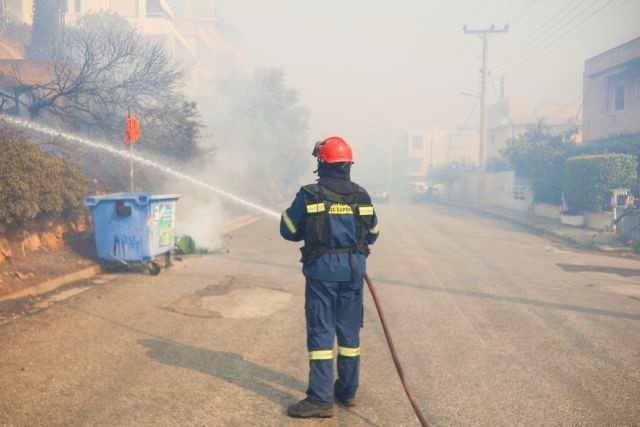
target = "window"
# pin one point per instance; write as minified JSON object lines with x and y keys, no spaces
{"x":78,"y":6}
{"x":619,"y":99}
{"x":416,"y":142}
{"x":65,"y":6}
{"x":154,"y":9}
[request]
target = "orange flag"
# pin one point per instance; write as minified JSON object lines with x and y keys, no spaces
{"x":132,"y":133}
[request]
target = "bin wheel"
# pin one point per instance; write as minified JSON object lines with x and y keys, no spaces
{"x":154,"y":268}
{"x":109,"y":267}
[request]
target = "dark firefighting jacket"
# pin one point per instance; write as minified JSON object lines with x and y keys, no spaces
{"x":337,"y":222}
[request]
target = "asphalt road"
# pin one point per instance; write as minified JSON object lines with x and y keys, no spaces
{"x":494,"y":326}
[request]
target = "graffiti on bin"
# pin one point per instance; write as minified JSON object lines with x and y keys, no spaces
{"x":126,"y":245}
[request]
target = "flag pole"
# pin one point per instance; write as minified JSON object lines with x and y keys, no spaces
{"x":130,"y":159}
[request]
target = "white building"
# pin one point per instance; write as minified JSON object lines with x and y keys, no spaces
{"x":433,"y":148}
{"x":612,"y":92}
{"x":186,"y":28}
{"x":510,"y":117}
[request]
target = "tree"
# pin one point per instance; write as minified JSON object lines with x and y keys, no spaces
{"x":539,"y":154}
{"x":105,"y":69}
{"x":47,"y":29}
{"x":267,"y":125}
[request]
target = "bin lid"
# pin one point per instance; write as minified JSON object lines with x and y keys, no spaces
{"x":140,"y":198}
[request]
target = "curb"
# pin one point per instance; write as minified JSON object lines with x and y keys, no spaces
{"x":239,"y":222}
{"x":544,"y":232}
{"x":53,"y":284}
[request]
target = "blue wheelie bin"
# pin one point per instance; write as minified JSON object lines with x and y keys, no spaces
{"x":134,"y":228}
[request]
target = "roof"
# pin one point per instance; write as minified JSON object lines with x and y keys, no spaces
{"x":613,"y":59}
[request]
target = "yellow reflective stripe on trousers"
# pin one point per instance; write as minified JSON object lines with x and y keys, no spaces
{"x":349,"y":352}
{"x":321,"y":355}
{"x":366,"y":210}
{"x":376,"y":229}
{"x":287,"y":221}
{"x":318,"y":207}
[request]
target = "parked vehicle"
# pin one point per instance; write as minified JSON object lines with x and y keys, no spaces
{"x":425,"y":192}
{"x":378,"y":193}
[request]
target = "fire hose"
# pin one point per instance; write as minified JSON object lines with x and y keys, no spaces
{"x":394,"y":354}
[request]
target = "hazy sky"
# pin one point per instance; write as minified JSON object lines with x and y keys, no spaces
{"x":364,"y":67}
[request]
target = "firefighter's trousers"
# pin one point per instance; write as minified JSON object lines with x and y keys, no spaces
{"x":333,"y":308}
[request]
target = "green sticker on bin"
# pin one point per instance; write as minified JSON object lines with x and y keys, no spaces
{"x":165,"y":225}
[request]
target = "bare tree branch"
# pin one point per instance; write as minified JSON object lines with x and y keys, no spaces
{"x":106,"y":68}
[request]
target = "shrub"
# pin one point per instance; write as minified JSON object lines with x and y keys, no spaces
{"x":588,"y":181}
{"x":539,"y":154}
{"x":34,"y":186}
{"x":625,"y":144}
{"x":547,"y":184}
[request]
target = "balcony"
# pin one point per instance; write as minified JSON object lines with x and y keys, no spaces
{"x":158,"y":9}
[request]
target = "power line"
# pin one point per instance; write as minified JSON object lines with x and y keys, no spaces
{"x":523,"y":11}
{"x":545,"y":49}
{"x":558,"y":15}
{"x":461,"y":61}
{"x":473,"y":110}
{"x":475,"y":12}
{"x":565,"y":41}
{"x":528,"y":6}
{"x":506,"y":9}
{"x":531,"y":41}
{"x":457,"y":61}
{"x":526,"y":55}
{"x":551,"y":38}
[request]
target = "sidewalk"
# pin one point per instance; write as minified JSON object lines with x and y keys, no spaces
{"x":582,"y":238}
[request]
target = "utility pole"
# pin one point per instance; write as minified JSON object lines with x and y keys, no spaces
{"x":482,"y":160}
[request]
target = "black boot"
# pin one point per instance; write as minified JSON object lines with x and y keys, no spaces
{"x":341,"y":398}
{"x":307,"y":409}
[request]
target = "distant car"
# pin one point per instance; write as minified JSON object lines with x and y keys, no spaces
{"x":427,"y":193}
{"x":378,"y":192}
{"x":379,"y":196}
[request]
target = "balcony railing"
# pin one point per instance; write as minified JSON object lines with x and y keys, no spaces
{"x":157,"y":15}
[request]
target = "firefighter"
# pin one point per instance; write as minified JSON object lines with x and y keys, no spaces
{"x":337,"y":222}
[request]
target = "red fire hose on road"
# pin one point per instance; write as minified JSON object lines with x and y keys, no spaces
{"x":392,"y":348}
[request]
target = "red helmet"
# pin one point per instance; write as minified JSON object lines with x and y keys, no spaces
{"x":333,"y":150}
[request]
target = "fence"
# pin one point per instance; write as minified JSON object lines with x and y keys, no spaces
{"x":502,"y":189}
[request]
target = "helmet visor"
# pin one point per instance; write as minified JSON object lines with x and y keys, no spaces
{"x":316,"y":148}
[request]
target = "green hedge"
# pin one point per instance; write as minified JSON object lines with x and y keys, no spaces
{"x":34,"y":186}
{"x":547,"y":189}
{"x":588,"y":181}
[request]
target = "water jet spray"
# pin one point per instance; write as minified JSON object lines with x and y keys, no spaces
{"x":127,"y":155}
